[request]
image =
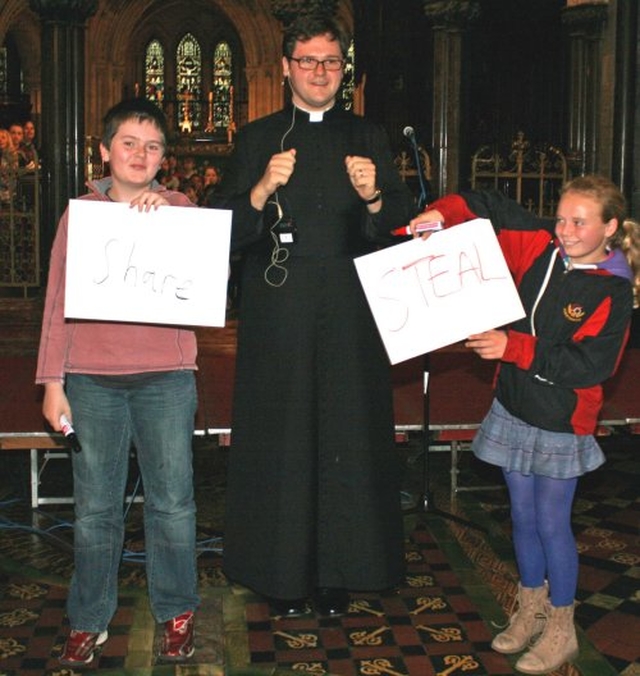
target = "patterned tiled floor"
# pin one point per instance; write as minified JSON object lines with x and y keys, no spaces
{"x":439,"y":623}
{"x":428,"y":626}
{"x":606,"y":519}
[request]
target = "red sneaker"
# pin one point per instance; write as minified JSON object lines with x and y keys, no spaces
{"x":80,"y":647}
{"x":177,"y":642}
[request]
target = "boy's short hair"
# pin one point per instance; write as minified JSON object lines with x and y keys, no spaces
{"x":139,"y":109}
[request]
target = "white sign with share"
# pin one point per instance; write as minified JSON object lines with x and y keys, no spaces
{"x":166,"y":266}
{"x":426,"y":294}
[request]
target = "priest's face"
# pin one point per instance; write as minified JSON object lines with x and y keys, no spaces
{"x":314,"y":72}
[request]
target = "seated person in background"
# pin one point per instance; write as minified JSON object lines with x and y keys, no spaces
{"x":190,"y":189}
{"x":188,"y":169}
{"x":171,"y":175}
{"x":211,"y":185}
{"x":8,"y":167}
{"x":28,"y":146}
{"x":168,"y":177}
{"x":17,"y":136}
{"x":197,"y":182}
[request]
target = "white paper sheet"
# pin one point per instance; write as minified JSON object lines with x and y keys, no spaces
{"x":426,"y":294}
{"x":165,"y":266}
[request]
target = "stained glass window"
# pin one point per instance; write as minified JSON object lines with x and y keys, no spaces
{"x":348,"y":81}
{"x":222,"y":87}
{"x":154,"y":72}
{"x":192,"y":106}
{"x":189,"y":83}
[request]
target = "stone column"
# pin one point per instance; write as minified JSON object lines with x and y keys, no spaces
{"x":450,"y":19}
{"x":585,"y":25}
{"x":624,"y":168}
{"x":265,"y":89}
{"x":62,"y":125}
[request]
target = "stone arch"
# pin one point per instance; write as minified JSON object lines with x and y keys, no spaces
{"x":111,"y":41}
{"x":110,"y":36}
{"x":24,"y":27}
{"x":11,"y":11}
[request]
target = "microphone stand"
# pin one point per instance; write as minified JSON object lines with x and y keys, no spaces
{"x":428,"y":506}
{"x":423,"y":197}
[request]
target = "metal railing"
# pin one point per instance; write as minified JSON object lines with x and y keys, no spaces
{"x":20,"y":230}
{"x":531,"y":176}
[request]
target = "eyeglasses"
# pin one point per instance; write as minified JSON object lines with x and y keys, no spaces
{"x":311,"y":63}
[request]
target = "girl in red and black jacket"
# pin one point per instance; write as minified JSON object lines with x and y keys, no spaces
{"x":577,"y":287}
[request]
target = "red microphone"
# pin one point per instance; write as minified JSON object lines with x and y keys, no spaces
{"x":425,"y":226}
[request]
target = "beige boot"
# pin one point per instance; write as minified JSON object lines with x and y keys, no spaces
{"x":526,"y":623}
{"x":557,"y":645}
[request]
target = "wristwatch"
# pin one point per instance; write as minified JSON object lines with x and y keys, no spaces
{"x":377,"y":196}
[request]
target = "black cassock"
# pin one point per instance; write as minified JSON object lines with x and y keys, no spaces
{"x":313,"y":494}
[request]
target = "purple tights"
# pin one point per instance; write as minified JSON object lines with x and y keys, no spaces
{"x":544,"y":543}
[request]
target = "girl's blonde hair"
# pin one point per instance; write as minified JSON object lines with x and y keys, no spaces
{"x":627,"y":236}
{"x":630,"y":245}
{"x":9,"y":139}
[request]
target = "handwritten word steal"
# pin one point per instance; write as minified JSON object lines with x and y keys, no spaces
{"x":431,"y":279}
{"x":426,"y":294}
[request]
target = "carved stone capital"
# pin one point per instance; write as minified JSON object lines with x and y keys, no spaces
{"x":288,"y":10}
{"x":452,"y":13}
{"x":64,"y":10}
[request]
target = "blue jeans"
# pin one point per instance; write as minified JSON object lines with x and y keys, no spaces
{"x":156,"y":413}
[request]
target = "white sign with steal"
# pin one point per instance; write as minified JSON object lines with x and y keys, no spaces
{"x":426,"y":294}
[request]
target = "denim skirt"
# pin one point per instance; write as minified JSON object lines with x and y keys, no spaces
{"x":514,"y":445}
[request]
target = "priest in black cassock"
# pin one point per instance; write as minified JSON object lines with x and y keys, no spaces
{"x":313,"y":498}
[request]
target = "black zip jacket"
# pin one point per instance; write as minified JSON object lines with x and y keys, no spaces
{"x":575,"y":328}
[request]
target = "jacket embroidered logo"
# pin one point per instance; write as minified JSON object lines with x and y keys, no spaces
{"x":574,"y":313}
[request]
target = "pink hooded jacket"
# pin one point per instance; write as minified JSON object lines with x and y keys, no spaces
{"x":105,"y":348}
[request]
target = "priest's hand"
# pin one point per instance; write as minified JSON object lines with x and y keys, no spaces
{"x":277,"y":173}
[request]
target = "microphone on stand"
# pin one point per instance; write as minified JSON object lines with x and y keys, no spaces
{"x":410,"y":133}
{"x":434,"y":226}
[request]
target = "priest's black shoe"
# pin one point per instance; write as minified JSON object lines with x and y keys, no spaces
{"x":331,"y":601}
{"x":288,"y":607}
